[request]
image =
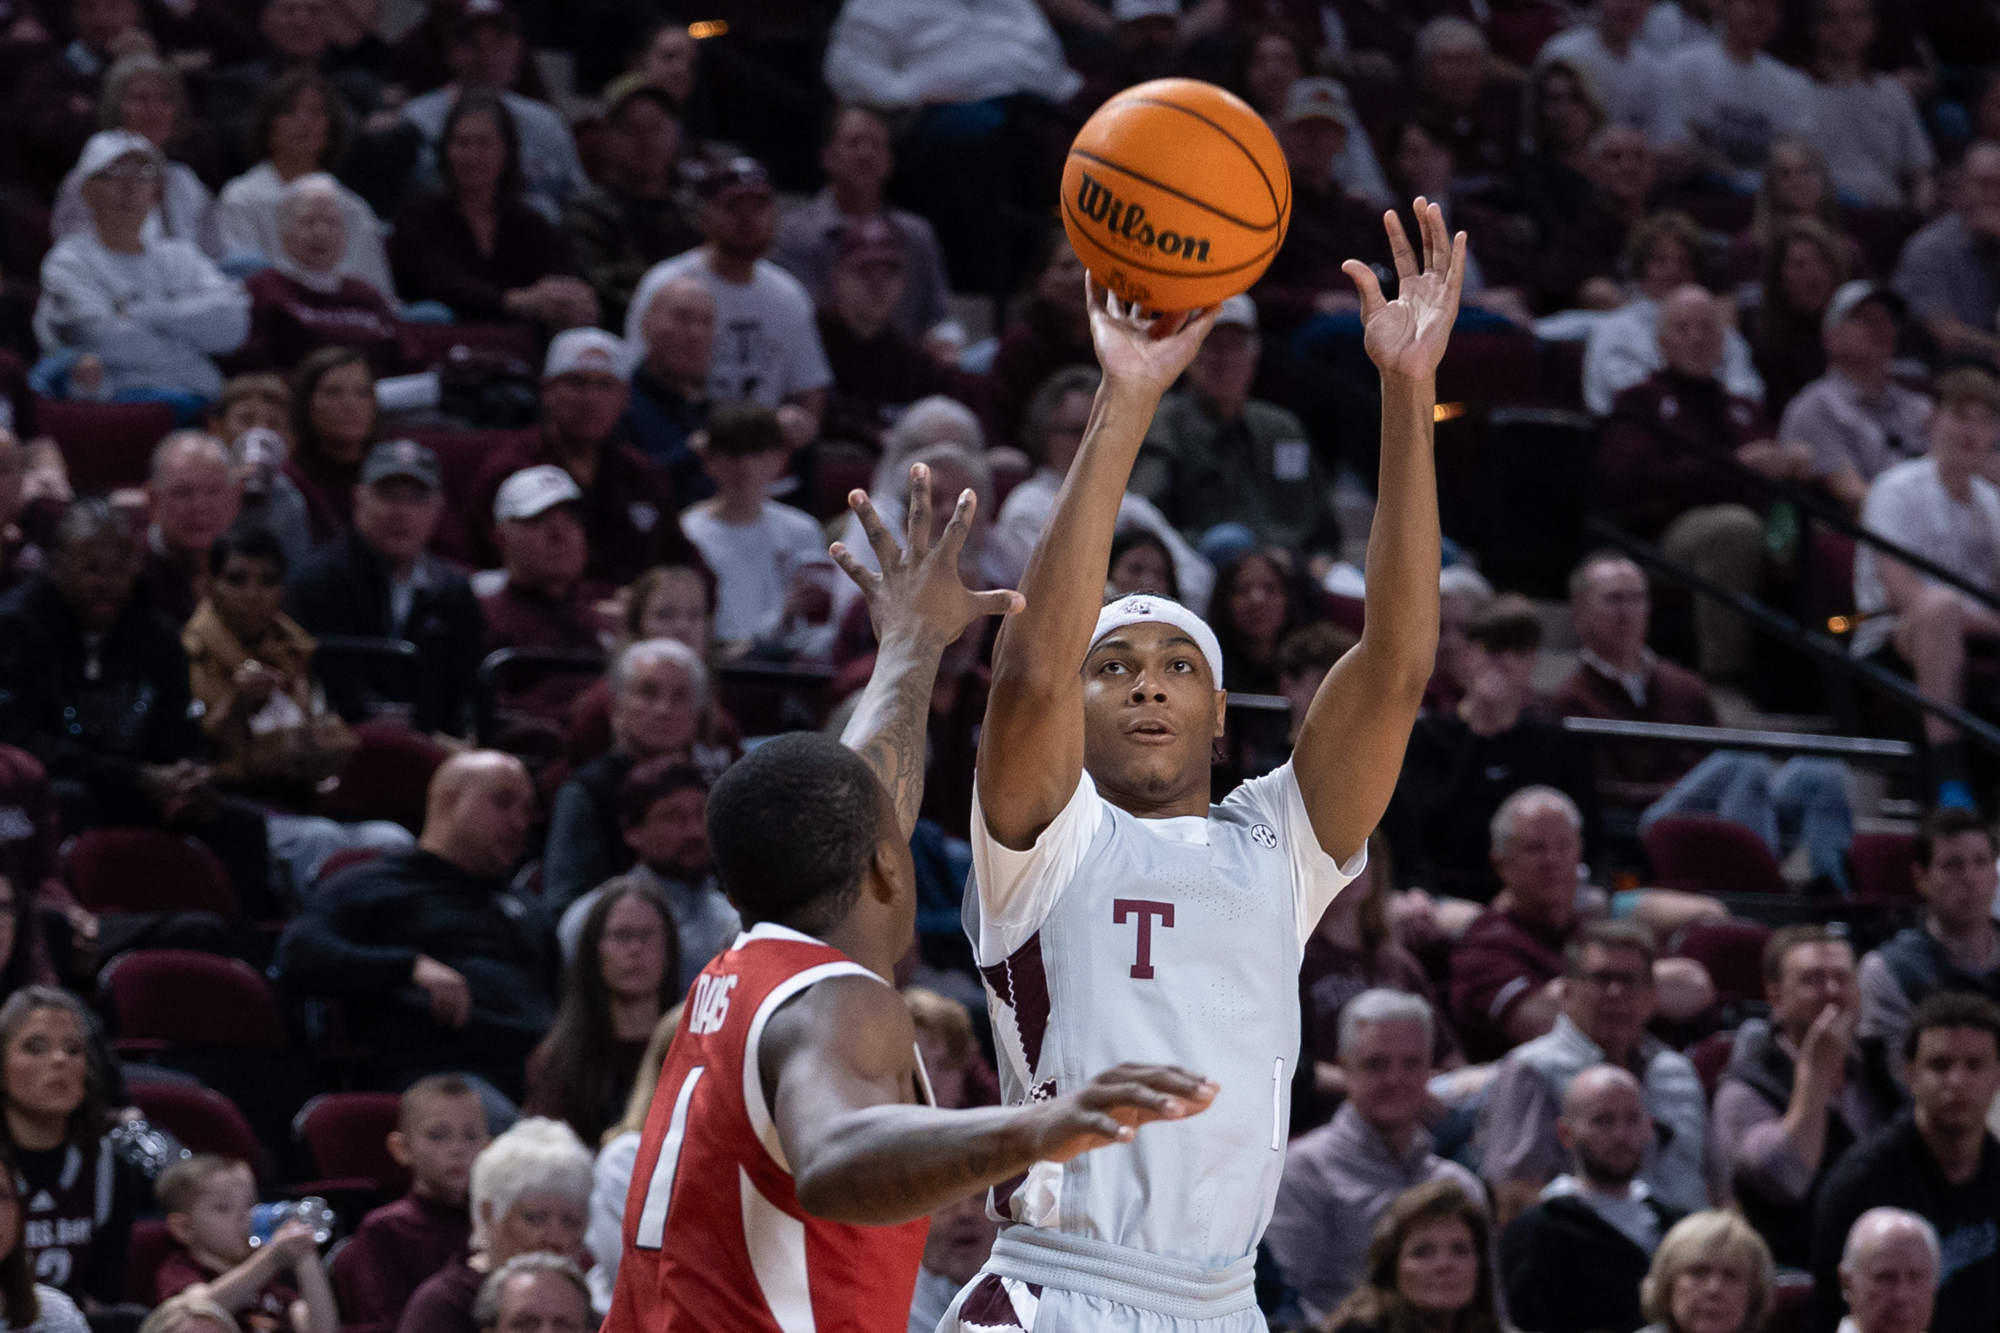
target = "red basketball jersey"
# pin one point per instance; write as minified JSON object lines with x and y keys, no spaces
{"x":715,"y":1239}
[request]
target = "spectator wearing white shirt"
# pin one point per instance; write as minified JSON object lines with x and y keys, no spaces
{"x":1051,"y":434}
{"x":1624,"y":349}
{"x":1856,"y":420}
{"x":1607,"y":47}
{"x":151,"y":312}
{"x":144,"y":94}
{"x":1940,"y":507}
{"x":1866,"y":124}
{"x":302,"y":128}
{"x":1727,"y":101}
{"x":773,"y":575}
{"x":767,"y":347}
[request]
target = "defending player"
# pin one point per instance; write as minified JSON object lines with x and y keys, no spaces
{"x":791,"y":1156}
{"x":1116,"y":909}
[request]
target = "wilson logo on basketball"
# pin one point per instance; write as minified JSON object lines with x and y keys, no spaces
{"x":1127,"y":221}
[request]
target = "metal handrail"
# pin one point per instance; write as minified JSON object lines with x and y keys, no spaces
{"x":1821,"y":509}
{"x":1737,"y":738}
{"x":1809,"y":640}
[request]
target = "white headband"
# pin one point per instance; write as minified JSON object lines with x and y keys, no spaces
{"x":1142,"y":608}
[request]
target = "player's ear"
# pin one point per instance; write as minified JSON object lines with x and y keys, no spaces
{"x":1221,"y":714}
{"x":885,"y":872}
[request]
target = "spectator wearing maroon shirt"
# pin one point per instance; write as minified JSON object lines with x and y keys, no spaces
{"x":629,"y":506}
{"x":1617,"y":677}
{"x":303,"y":302}
{"x":336,"y":427}
{"x":440,"y":1129}
{"x":1657,"y":487}
{"x":1050,"y":330}
{"x":194,"y":499}
{"x":1504,"y":967}
{"x":543,"y":602}
{"x":476,"y":245}
{"x":1329,"y":226}
{"x":208,"y":1202}
{"x":878,"y":370}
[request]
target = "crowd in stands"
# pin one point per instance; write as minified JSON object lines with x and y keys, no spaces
{"x":422,"y":429}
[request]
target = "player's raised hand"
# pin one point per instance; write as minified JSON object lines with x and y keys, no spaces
{"x":1145,"y":353}
{"x":1407,"y":336}
{"x":919,"y":590}
{"x":1110,"y":1108}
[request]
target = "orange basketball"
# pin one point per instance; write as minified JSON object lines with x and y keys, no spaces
{"x":1176,"y":195}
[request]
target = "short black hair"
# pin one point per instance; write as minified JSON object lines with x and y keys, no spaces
{"x":1952,"y":1009}
{"x":88,"y":518}
{"x":793,"y":824}
{"x":739,"y":430}
{"x":1947,"y":822}
{"x":256,"y":544}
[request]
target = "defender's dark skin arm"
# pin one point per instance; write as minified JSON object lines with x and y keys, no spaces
{"x":839,"y":1070}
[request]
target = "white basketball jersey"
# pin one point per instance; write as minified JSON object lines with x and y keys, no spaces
{"x":1157,"y":941}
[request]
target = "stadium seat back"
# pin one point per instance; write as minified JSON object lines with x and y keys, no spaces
{"x":201,"y":1118}
{"x":193,"y":999}
{"x":1704,"y":854}
{"x":151,"y":1244}
{"x":104,"y":445}
{"x":1733,"y":953}
{"x":1885,"y":864}
{"x":348,"y":1134}
{"x":146,"y":870}
{"x":388,"y":777}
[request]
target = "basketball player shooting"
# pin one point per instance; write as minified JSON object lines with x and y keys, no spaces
{"x":1115,"y":908}
{"x":791,"y":1153}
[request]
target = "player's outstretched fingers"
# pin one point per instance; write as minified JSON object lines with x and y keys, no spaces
{"x":1366,"y":284}
{"x":887,"y":552}
{"x":999,"y":602}
{"x":1437,"y":243}
{"x":960,"y":527}
{"x":864,"y":578}
{"x":918,"y":529}
{"x":1399,"y":242}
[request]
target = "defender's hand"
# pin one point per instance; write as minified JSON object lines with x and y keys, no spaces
{"x":1407,"y":336}
{"x":919,"y":590}
{"x":1111,"y":1107}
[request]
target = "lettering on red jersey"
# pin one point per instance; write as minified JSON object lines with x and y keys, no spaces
{"x":710,"y":1007}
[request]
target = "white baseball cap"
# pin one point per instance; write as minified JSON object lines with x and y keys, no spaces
{"x":534,"y":491}
{"x":107,"y":146}
{"x":588,"y":351}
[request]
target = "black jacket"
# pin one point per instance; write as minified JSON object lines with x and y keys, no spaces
{"x":1894,"y":1168}
{"x":344,"y":589}
{"x":358,"y":941}
{"x":1567,"y":1270}
{"x":96,"y":732}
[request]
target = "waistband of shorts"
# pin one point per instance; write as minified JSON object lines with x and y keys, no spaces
{"x":1117,"y":1273}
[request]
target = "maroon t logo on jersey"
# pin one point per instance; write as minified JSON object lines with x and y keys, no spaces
{"x":1145,"y":910}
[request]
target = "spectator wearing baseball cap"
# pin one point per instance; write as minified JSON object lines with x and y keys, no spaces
{"x":773,"y":354}
{"x":150,"y":311}
{"x":419,"y":63}
{"x":542,"y":601}
{"x":483,"y":49}
{"x":476,"y":244}
{"x":858,"y":162}
{"x":1856,"y":420}
{"x":878,"y":370}
{"x":378,"y":582}
{"x":1329,"y":225}
{"x":629,"y":507}
{"x":632,"y":218}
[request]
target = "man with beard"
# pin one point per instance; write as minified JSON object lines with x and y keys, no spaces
{"x":663,"y":809}
{"x":1573,"y":1261}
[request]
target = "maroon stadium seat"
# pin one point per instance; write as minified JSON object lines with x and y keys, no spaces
{"x":145,"y":870}
{"x":1703,"y":854}
{"x":1883,"y":865}
{"x":1710,"y":1056}
{"x":1789,"y":1298}
{"x":202,"y":1118}
{"x":182,"y":998}
{"x":1733,"y":953}
{"x":348,"y":1133}
{"x":150,"y":1246}
{"x":1487,"y":367}
{"x":345,"y":859}
{"x":105,"y":445}
{"x":388,"y":777}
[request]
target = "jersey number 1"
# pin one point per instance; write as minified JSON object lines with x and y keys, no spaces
{"x":660,"y":1189}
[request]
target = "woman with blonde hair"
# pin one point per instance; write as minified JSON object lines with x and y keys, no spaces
{"x":1428,"y":1268}
{"x":193,"y":1311}
{"x":1711,"y":1274}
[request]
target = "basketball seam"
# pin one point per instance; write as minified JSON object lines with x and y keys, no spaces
{"x":1262,"y":256}
{"x":1219,"y":129}
{"x":1164,"y":188}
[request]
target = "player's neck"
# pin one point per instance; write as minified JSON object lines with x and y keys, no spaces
{"x":862,"y":941}
{"x":1145,"y":805}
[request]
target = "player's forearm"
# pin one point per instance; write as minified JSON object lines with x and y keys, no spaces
{"x":889,"y":723}
{"x":888,"y":1164}
{"x":1064,"y":582}
{"x":1401,"y":624}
